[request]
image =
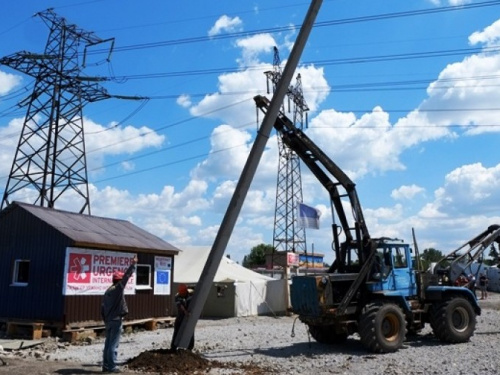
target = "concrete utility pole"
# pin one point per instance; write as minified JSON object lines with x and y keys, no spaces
{"x":207,"y":276}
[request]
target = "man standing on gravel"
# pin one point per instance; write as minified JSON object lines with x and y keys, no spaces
{"x":113,"y":309}
{"x":483,"y":285}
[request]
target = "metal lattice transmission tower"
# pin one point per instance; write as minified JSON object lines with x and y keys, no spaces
{"x":287,"y":235}
{"x":50,"y":156}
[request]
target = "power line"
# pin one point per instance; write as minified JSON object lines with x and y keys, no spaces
{"x":338,"y":61}
{"x":209,"y":16}
{"x":202,"y":155}
{"x":170,"y":148}
{"x":15,"y":26}
{"x":129,"y":116}
{"x":279,"y":29}
{"x":169,"y":163}
{"x":373,"y":86}
{"x":351,"y":87}
{"x":167,"y":126}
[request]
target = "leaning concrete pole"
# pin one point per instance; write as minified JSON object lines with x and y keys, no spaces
{"x":207,"y":276}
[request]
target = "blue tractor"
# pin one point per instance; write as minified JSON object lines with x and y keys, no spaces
{"x":374,"y":287}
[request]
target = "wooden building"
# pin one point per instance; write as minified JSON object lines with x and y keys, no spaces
{"x":55,"y":266}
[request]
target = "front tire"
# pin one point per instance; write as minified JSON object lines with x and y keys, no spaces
{"x":382,"y":327}
{"x":453,"y":320}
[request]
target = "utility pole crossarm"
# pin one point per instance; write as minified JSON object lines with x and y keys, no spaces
{"x":26,"y":62}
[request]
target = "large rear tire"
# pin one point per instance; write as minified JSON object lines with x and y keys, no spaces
{"x":453,"y":320}
{"x":327,"y":335}
{"x":382,"y":327}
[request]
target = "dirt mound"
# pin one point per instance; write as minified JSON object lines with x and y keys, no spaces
{"x":166,"y":361}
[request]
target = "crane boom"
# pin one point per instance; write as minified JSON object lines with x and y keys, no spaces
{"x":357,"y":237}
{"x":329,"y":175}
{"x":459,"y":262}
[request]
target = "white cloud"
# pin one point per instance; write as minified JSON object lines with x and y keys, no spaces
{"x":9,"y":138}
{"x":239,"y":109}
{"x":450,"y":2}
{"x":253,"y":46}
{"x":227,"y":164}
{"x":367,"y":144}
{"x":114,"y":140}
{"x":468,"y":84}
{"x":406,"y":192}
{"x":184,"y":101}
{"x":465,"y":205}
{"x":459,"y":2}
{"x":128,"y":166}
{"x":8,"y":82}
{"x":169,"y":214}
{"x":469,"y":190}
{"x":225,"y":24}
{"x":489,"y":36}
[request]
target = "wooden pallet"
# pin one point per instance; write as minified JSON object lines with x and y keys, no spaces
{"x":79,"y":333}
{"x":15,"y":328}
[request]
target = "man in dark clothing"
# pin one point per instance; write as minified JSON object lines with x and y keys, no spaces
{"x":113,"y":309}
{"x":182,"y":300}
{"x":483,"y":285}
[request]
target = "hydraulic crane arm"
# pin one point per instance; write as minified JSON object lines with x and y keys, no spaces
{"x":332,"y":178}
{"x":325,"y":170}
{"x":460,"y":260}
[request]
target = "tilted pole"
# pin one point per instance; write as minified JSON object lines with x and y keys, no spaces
{"x":219,"y":246}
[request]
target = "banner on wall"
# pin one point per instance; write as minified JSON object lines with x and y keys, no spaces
{"x":163,"y":272}
{"x":90,"y":272}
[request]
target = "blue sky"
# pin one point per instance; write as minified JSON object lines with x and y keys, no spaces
{"x":403,"y":95}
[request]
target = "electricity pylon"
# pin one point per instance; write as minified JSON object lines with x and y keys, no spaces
{"x":288,"y":236}
{"x":50,"y":156}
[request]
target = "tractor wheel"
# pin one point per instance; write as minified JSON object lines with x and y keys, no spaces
{"x":382,"y":327}
{"x":453,"y":320}
{"x":327,"y":335}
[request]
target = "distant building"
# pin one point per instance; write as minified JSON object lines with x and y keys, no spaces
{"x":235,"y":290}
{"x":298,"y":263}
{"x":298,"y":260}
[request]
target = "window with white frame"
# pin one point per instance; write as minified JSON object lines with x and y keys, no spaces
{"x":21,"y":272}
{"x":143,"y":276}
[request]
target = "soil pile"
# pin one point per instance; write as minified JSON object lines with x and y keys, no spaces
{"x":166,"y":361}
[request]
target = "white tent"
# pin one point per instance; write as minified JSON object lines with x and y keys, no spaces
{"x":236,"y":290}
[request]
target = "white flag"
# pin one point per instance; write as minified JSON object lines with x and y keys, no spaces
{"x":308,"y":217}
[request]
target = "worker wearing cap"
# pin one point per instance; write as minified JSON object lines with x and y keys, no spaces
{"x":182,"y":300}
{"x":113,"y":309}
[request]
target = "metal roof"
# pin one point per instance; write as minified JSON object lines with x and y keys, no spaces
{"x":94,"y":231}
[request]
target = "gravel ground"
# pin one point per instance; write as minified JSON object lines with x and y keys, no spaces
{"x":282,"y":346}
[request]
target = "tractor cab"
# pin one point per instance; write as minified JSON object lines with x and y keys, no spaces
{"x":393,"y":272}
